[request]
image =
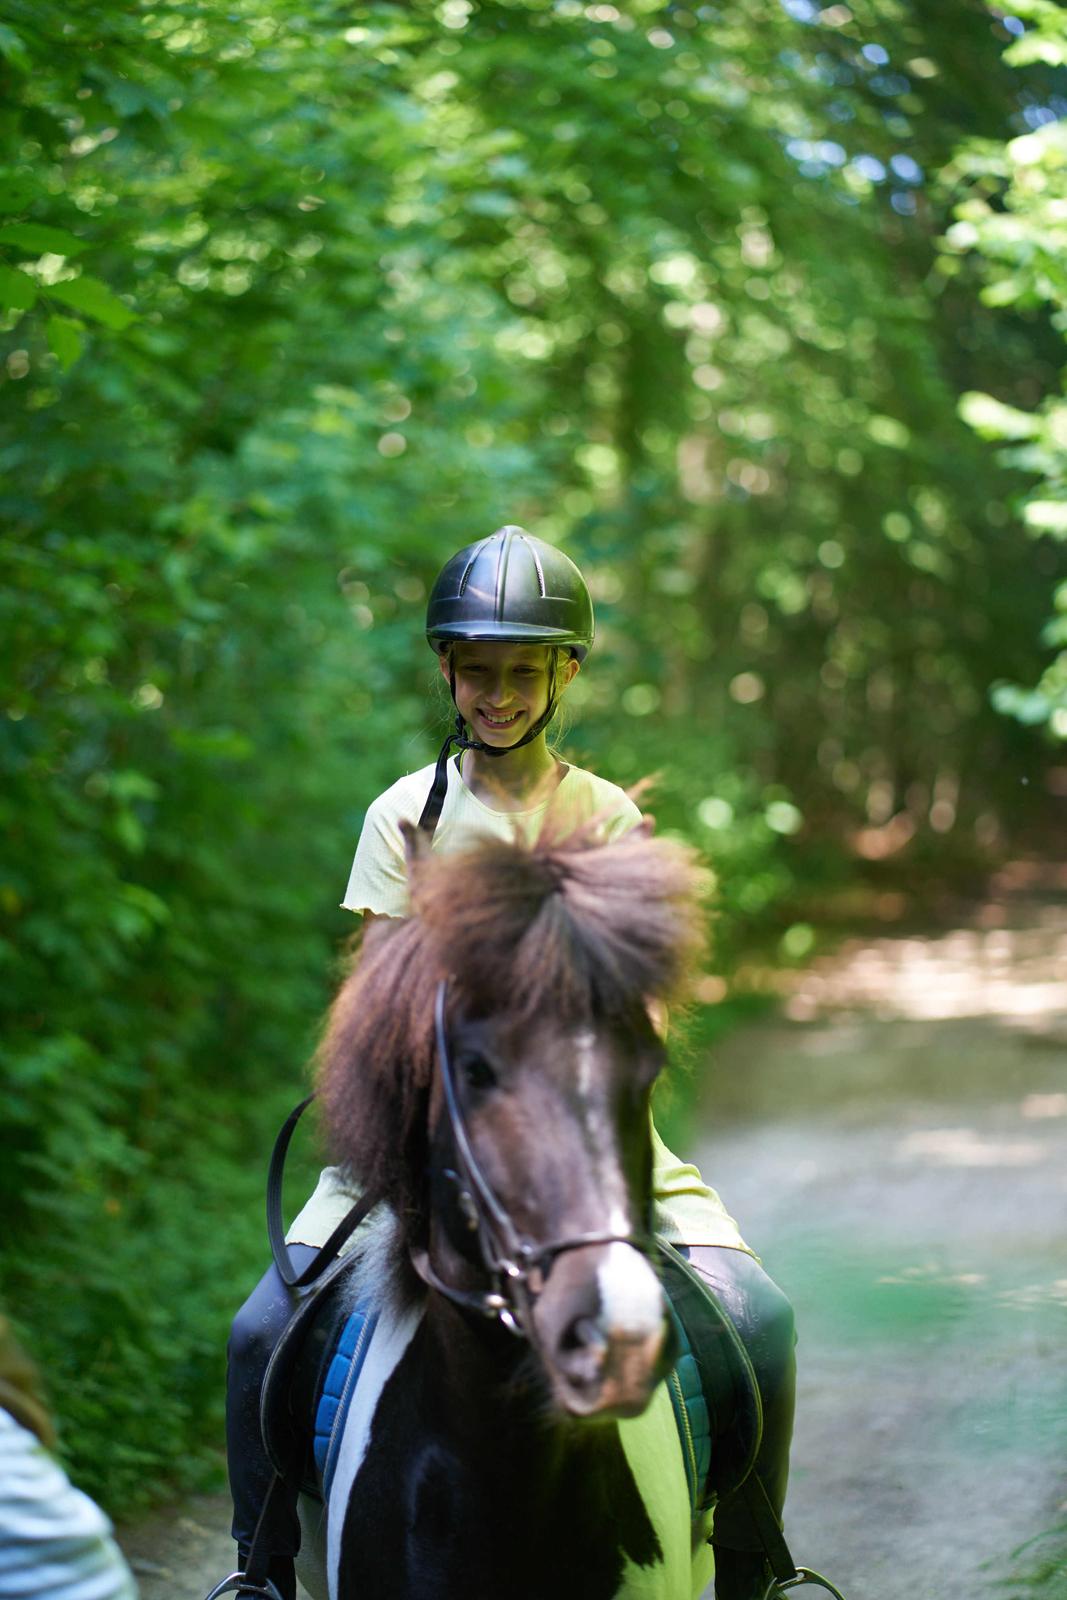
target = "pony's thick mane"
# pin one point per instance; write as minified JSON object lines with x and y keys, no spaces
{"x":570,"y":926}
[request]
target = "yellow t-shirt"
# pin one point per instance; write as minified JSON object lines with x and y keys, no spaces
{"x":378,"y":880}
{"x":687,"y":1210}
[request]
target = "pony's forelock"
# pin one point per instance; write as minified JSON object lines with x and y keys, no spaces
{"x":570,"y":927}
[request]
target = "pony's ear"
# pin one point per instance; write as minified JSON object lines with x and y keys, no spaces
{"x":416,"y":846}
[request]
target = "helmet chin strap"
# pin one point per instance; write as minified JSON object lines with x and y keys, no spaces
{"x":431,"y":811}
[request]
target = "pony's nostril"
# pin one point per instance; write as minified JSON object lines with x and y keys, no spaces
{"x":584,"y":1333}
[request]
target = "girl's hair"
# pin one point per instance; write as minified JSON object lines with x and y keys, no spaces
{"x":20,"y":1392}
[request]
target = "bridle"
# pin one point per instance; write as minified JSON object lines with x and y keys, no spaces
{"x":517,"y":1266}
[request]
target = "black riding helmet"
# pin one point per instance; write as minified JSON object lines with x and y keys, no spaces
{"x":514,"y":589}
{"x":508,"y":589}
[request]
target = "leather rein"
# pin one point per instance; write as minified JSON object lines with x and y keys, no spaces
{"x":517,"y":1266}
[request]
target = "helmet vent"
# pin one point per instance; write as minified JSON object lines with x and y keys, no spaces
{"x":537,"y":564}
{"x":466,"y":578}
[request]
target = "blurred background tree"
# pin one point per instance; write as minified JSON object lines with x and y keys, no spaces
{"x":1012,"y":224}
{"x":298,"y":301}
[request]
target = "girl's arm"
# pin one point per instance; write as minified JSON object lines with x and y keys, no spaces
{"x":689,"y":1210}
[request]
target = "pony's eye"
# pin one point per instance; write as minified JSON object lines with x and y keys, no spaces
{"x":477,"y":1071}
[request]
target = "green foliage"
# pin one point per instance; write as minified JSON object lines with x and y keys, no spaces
{"x":1037,"y":1568}
{"x":1013,"y":220}
{"x":295,"y":303}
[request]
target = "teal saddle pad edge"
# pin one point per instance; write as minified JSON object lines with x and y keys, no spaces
{"x":691,"y":1414}
{"x":692,"y":1417}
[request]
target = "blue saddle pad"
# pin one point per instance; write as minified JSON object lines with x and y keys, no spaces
{"x":338,"y":1387}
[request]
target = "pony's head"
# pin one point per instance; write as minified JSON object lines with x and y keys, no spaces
{"x":552,"y":955}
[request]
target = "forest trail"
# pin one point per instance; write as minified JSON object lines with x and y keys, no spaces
{"x":895,"y":1145}
{"x":900,"y":1162}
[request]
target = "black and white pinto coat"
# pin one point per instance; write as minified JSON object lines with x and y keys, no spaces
{"x":448,"y":1489}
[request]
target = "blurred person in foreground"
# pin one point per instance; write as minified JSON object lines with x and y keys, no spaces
{"x":55,"y":1543}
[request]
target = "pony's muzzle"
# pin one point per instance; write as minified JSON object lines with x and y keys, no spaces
{"x":603,"y":1330}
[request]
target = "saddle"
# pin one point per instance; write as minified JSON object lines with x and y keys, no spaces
{"x":297,"y":1379}
{"x":713,"y":1387}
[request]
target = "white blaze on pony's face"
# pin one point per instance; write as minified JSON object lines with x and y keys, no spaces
{"x":631,"y":1297}
{"x":584,"y":1044}
{"x":559,"y":1122}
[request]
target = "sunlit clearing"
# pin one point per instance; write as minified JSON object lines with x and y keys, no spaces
{"x":963,"y":1147}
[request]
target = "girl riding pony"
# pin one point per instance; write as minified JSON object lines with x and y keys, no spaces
{"x":511,"y":622}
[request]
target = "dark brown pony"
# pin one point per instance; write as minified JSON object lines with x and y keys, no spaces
{"x":472,"y":1476}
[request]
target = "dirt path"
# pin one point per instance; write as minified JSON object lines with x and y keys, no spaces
{"x":898,"y":1154}
{"x":896,"y":1147}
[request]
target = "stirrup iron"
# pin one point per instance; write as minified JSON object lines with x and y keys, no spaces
{"x":237,"y":1583}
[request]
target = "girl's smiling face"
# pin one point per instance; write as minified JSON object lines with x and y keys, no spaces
{"x":502,"y":689}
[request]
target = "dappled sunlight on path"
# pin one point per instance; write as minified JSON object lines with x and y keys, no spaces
{"x":1018,"y":974}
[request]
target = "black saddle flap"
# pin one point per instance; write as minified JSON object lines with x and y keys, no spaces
{"x":727,"y":1378}
{"x":291,"y":1381}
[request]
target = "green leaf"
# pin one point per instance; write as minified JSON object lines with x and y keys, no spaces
{"x":1047,"y":516}
{"x":994,"y":420}
{"x":13,"y":49}
{"x":17,"y":189}
{"x":133,"y":785}
{"x":1037,"y":47}
{"x":1006,"y":291}
{"x":34,"y":236}
{"x":95,"y":299}
{"x":890,"y":431}
{"x":152,"y":908}
{"x":17,"y":291}
{"x":130,"y":832}
{"x":1028,"y":706}
{"x":65,"y":339}
{"x":1038,"y":11}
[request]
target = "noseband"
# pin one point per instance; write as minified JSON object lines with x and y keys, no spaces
{"x":517,"y":1266}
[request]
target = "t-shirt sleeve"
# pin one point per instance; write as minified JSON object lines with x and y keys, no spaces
{"x":378,"y":881}
{"x":625,"y":817}
{"x":687,"y":1209}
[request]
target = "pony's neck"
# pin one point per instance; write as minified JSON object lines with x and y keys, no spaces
{"x":483,"y":1364}
{"x":477,"y":1354}
{"x":512,"y":1462}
